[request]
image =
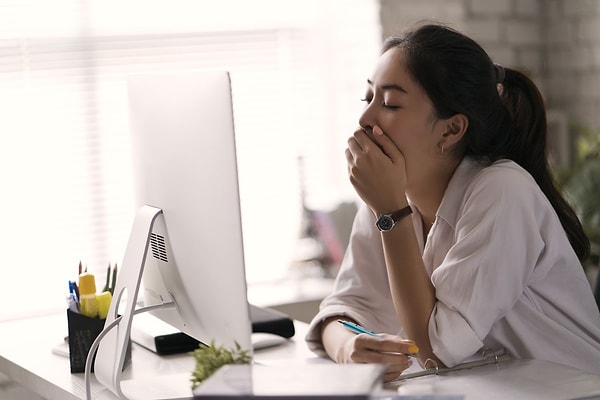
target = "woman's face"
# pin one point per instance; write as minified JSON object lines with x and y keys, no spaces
{"x":400,"y":107}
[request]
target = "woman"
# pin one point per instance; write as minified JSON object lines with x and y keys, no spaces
{"x":482,"y":252}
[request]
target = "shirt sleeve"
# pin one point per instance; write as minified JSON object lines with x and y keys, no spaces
{"x":361,"y":290}
{"x":496,"y":245}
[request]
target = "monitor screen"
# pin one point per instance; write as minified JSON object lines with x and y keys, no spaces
{"x":189,"y":224}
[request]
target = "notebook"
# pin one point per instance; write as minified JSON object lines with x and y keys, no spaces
{"x":297,"y":381}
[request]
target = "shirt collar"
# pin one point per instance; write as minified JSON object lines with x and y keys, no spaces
{"x":452,"y":200}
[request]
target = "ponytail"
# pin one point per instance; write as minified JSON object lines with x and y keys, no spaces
{"x":507,"y":116}
{"x":527,"y":146}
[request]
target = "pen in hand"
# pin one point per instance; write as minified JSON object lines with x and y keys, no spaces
{"x":356,"y":328}
{"x":413,"y":349}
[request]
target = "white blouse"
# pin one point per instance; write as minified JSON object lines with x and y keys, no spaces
{"x":504,"y":273}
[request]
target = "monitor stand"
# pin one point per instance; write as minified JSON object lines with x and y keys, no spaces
{"x":110,"y":358}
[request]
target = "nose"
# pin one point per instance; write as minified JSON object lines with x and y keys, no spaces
{"x":367,"y":118}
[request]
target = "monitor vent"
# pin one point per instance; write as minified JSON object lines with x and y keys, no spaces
{"x":159,"y":250}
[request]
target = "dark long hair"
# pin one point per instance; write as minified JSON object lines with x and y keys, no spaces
{"x":504,"y":122}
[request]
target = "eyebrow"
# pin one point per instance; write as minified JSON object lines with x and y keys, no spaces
{"x":389,"y":86}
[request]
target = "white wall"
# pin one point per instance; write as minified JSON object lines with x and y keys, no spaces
{"x":557,"y":42}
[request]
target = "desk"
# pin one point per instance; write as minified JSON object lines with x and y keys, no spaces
{"x":26,"y":357}
{"x":513,"y":379}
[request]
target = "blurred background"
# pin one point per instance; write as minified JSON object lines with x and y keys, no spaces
{"x":298,"y":73}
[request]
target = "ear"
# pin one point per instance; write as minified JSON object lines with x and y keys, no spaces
{"x":456,"y":126}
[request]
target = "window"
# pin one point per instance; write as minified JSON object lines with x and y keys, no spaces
{"x":298,"y":70}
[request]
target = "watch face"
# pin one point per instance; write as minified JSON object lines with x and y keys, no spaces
{"x":385,"y":223}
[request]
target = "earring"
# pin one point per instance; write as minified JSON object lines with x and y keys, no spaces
{"x":442,"y":150}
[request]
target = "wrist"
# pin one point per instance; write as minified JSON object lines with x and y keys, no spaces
{"x":387,"y":221}
{"x":335,"y":340}
{"x":342,"y":354}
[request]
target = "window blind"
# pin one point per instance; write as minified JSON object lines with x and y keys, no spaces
{"x":65,"y":161}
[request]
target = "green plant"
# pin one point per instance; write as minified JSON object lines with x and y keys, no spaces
{"x":581,"y":183}
{"x":210,"y":358}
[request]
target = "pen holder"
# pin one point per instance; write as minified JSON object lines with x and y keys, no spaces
{"x":82,"y":333}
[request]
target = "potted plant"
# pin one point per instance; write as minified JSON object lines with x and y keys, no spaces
{"x":581,"y":185}
{"x":209,"y":358}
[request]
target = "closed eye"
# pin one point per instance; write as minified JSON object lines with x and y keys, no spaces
{"x":383,"y":104}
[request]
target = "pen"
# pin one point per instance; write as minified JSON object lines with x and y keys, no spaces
{"x":76,"y":290}
{"x":356,"y":328}
{"x":413,"y":349}
{"x":107,"y":284}
{"x":114,"y":280}
{"x":72,"y":301}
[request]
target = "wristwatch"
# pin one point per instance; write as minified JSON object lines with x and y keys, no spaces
{"x":386,"y":222}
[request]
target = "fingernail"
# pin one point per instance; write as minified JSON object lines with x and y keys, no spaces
{"x":377,"y":130}
{"x":413,"y":349}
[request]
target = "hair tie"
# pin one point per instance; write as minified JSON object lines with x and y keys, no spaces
{"x":499,"y":73}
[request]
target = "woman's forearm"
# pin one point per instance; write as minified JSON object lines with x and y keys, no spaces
{"x":334,"y":337}
{"x":413,"y":294}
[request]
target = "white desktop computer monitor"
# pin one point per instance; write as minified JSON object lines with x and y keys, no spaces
{"x":185,"y":248}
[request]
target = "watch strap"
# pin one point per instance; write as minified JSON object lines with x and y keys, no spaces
{"x":401,"y":213}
